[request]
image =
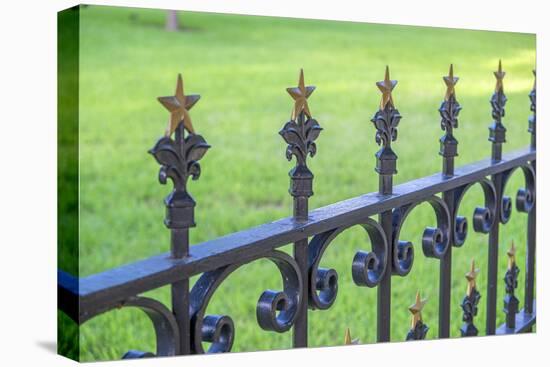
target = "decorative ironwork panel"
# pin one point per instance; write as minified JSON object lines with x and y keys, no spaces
{"x":186,"y":327}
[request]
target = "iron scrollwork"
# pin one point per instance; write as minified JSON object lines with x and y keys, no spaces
{"x":435,"y":241}
{"x":483,"y":217}
{"x":166,"y":327}
{"x":163,"y":320}
{"x":367,"y":266}
{"x":275,"y":311}
{"x":525,"y":197}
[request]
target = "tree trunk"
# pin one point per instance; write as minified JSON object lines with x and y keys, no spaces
{"x":172,"y":20}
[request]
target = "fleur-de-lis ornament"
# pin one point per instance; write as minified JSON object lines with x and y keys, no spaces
{"x":179,"y":157}
{"x":302,"y":130}
{"x":386,"y":120}
{"x":449,"y":110}
{"x":498,"y":100}
{"x":300,"y":134}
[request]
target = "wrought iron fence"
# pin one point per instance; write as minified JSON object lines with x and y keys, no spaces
{"x":183,"y":328}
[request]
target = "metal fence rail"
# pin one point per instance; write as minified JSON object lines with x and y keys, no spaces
{"x":182,"y":328}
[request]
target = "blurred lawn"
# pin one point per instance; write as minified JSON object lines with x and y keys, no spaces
{"x":241,"y":66}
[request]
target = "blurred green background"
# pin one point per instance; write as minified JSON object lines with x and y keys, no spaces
{"x":241,"y":65}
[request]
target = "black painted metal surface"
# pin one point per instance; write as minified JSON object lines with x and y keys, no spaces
{"x":187,"y":328}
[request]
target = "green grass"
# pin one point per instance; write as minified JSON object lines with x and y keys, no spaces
{"x":241,"y":66}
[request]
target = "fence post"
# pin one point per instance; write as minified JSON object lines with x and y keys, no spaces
{"x":449,"y":111}
{"x":300,"y":134}
{"x":179,"y":158}
{"x":386,"y":121}
{"x":532,"y":216}
{"x":497,"y":136}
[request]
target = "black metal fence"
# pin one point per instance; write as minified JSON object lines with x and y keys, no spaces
{"x":183,"y":328}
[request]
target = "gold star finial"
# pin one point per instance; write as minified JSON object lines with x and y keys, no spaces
{"x":300,"y":95}
{"x":471,"y":277}
{"x":450,"y":82}
{"x":386,"y":86}
{"x":348,"y":340}
{"x":179,"y":105}
{"x":511,"y":255}
{"x":416,"y":309}
{"x":499,"y":74}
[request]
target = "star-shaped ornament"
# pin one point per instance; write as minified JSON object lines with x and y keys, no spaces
{"x":300,"y":95}
{"x":511,"y":255}
{"x":450,"y":82}
{"x":499,"y":74}
{"x":179,"y":106}
{"x":471,"y":277}
{"x":386,"y":86}
{"x":416,"y":309}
